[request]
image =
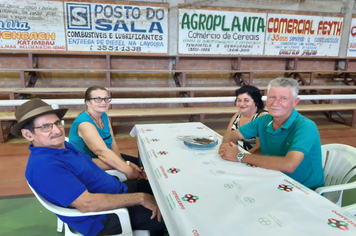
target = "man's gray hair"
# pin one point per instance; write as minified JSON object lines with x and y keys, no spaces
{"x":285,"y":82}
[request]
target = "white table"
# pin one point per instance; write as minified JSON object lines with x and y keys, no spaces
{"x":201,"y":194}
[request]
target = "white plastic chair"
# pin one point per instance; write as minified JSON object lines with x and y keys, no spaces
{"x":339,"y":163}
{"x":122,"y":213}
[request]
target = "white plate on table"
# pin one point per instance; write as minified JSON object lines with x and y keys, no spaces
{"x":200,"y":142}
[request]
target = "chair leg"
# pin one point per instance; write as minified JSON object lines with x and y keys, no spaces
{"x":59,"y":225}
{"x":69,"y":232}
{"x":141,"y":233}
{"x":125,"y":221}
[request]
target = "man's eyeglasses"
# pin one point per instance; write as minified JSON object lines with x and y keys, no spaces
{"x":99,"y":99}
{"x":49,"y":126}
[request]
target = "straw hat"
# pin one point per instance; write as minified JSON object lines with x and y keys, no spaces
{"x":32,"y":109}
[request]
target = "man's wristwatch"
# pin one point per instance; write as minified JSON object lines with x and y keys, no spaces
{"x":240,"y":156}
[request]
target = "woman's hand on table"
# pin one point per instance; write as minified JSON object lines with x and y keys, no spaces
{"x":135,"y":172}
{"x":140,"y":170}
{"x":228,"y":151}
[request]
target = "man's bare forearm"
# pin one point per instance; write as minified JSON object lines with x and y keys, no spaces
{"x":232,"y":136}
{"x":92,"y":202}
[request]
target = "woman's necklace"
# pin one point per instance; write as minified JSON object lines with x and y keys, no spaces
{"x":247,"y":119}
{"x":100,"y":125}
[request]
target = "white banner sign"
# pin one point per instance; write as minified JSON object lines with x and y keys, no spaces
{"x":301,"y":35}
{"x":116,"y":28}
{"x":221,"y":32}
{"x":351,"y":52}
{"x":31,"y":25}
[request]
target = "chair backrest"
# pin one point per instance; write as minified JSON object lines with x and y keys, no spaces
{"x":122,"y":213}
{"x":72,"y":211}
{"x":339,"y":163}
{"x":53,"y":208}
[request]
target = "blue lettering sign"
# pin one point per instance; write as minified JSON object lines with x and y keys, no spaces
{"x":152,"y":28}
{"x":14,"y":25}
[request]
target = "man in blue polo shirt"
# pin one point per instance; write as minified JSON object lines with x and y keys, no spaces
{"x":68,"y":178}
{"x":289,"y":141}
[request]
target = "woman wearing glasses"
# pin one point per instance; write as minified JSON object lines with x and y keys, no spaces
{"x":92,"y":134}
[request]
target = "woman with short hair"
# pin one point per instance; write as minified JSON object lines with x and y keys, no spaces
{"x":92,"y":134}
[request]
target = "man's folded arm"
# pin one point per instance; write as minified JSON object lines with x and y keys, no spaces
{"x":287,"y":163}
{"x":232,"y":136}
{"x":92,"y":202}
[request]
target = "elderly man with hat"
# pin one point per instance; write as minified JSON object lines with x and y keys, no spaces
{"x":69,"y":178}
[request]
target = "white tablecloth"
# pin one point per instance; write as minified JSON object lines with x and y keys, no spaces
{"x":201,"y":194}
